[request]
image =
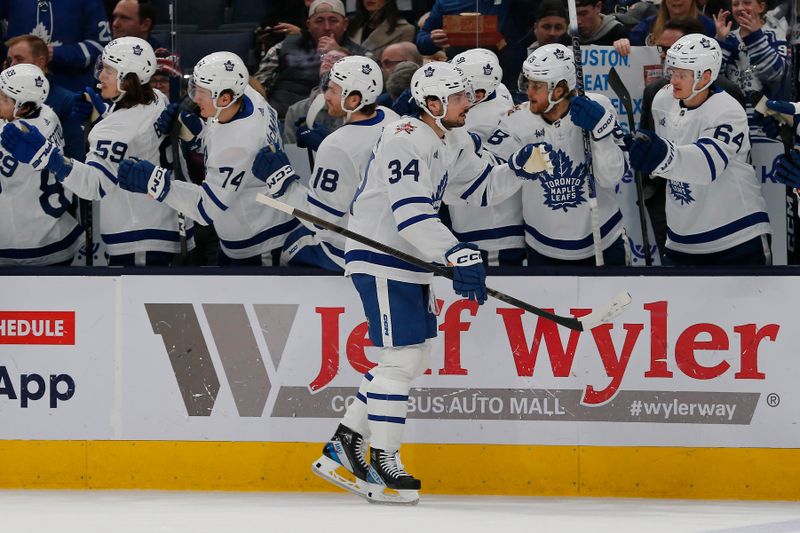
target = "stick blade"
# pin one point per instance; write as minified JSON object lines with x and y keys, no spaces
{"x":272,"y":202}
{"x":607,"y":313}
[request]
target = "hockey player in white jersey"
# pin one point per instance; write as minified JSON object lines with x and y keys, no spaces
{"x":558,"y":229}
{"x":355,"y":83}
{"x":37,"y":228}
{"x":135,"y":231}
{"x":498,"y":229}
{"x":417,"y":163}
{"x":715,"y":211}
{"x":238,"y":124}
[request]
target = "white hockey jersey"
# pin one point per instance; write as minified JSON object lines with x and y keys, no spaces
{"x":227,"y":197}
{"x":556,"y":209}
{"x":129,"y":222}
{"x":411,"y":172}
{"x":497,"y":227}
{"x":338,"y":169}
{"x":714,"y":199}
{"x":36,"y":228}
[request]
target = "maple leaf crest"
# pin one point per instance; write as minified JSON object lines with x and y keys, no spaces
{"x":564,"y":188}
{"x":681,"y":192}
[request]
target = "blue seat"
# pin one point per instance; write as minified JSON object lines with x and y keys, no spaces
{"x":194,"y":45}
{"x":202,"y":13}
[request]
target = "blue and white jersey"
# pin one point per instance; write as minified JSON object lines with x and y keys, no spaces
{"x":497,"y":227}
{"x":556,"y":207}
{"x":714,"y":199}
{"x":129,"y":222}
{"x":412,"y":171}
{"x":338,"y":169}
{"x":227,"y":197}
{"x":37,"y":229}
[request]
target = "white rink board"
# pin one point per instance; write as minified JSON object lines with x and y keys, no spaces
{"x":263,"y":344}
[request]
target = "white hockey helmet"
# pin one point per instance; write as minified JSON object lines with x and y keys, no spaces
{"x":439,"y":80}
{"x":481,"y":67}
{"x":128,"y":55}
{"x":218,"y":72}
{"x":551,"y":63}
{"x":697,"y":53}
{"x":357,"y":74}
{"x":24,"y":84}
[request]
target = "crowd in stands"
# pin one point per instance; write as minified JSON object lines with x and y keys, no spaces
{"x":289,"y":47}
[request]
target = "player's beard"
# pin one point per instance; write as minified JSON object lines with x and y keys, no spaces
{"x":457,"y":123}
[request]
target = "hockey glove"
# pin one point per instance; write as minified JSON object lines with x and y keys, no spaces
{"x":785,"y":112}
{"x":649,"y":152}
{"x":469,"y":276}
{"x":88,"y":106}
{"x":532,"y":161}
{"x":768,"y":125}
{"x":26,"y":144}
{"x":191,"y":124}
{"x":273,"y":168}
{"x":591,"y":116}
{"x":310,"y":138}
{"x":788,"y":169}
{"x":141,"y":176}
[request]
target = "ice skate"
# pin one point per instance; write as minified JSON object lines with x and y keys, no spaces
{"x":396,"y":486}
{"x":344,"y":463}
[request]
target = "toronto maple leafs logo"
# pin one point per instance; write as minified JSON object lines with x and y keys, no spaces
{"x":564,"y":188}
{"x":366,"y":69}
{"x":487,"y":70}
{"x":137,"y":50}
{"x":681,"y":192}
{"x":428,"y":72}
{"x":228,"y":66}
{"x":705,"y":43}
{"x":38,"y":81}
{"x":406,"y":127}
{"x":662,"y":121}
{"x":559,"y":53}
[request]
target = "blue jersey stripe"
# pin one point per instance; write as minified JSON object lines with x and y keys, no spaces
{"x":104,"y":170}
{"x":382,"y":418}
{"x":202,"y":211}
{"x":53,"y":247}
{"x":269,"y":233}
{"x":387,"y":397}
{"x":578,"y":244}
{"x":492,"y":233}
{"x":413,"y":220}
{"x":718,"y":233}
{"x":325,"y":207}
{"x":477,"y":183}
{"x":709,"y":160}
{"x":411,"y":200}
{"x":143,"y":235}
{"x":213,"y":197}
{"x":380,"y":259}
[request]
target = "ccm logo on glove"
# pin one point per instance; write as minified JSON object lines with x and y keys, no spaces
{"x":276,"y":177}
{"x":465,"y":259}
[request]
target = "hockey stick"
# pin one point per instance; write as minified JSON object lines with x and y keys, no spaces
{"x":625,"y":97}
{"x":587,"y":144}
{"x":174,"y":96}
{"x":602,"y":315}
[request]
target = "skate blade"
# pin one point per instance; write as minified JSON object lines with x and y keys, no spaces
{"x":381,"y":495}
{"x":328,"y":469}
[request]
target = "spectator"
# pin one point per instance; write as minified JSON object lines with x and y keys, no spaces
{"x":74,"y":30}
{"x":167,"y":67}
{"x":283,"y":18}
{"x":550,"y":27}
{"x":290,"y":69}
{"x":755,"y":55}
{"x":29,"y":49}
{"x":377,"y":24}
{"x":134,"y":18}
{"x":398,"y":88}
{"x":596,"y":28}
{"x":396,"y":53}
{"x":647,"y":32}
{"x":513,"y":21}
{"x":324,"y":124}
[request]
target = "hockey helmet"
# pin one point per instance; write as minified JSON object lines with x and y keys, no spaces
{"x":695,"y":52}
{"x":24,"y":83}
{"x":551,"y":64}
{"x":219,"y":72}
{"x":439,"y":80}
{"x":357,"y":73}
{"x":128,"y":55}
{"x":481,"y":67}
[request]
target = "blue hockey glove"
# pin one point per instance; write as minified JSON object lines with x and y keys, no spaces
{"x":167,"y":119}
{"x":32,"y":148}
{"x":191,"y":124}
{"x":310,"y":138}
{"x":88,"y":105}
{"x":768,"y":125}
{"x":788,"y":169}
{"x":591,"y":116}
{"x":648,"y":152}
{"x":786,"y":110}
{"x":141,"y":176}
{"x":273,"y":168}
{"x":532,"y":161}
{"x":469,"y":276}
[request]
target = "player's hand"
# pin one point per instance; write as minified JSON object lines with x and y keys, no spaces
{"x":591,"y":116}
{"x":648,"y":151}
{"x":273,"y":168}
{"x":310,"y":138}
{"x":788,"y":169}
{"x":29,"y":146}
{"x":88,"y":106}
{"x":142,"y":176}
{"x":786,"y":111}
{"x":191,"y":126}
{"x":768,"y":125}
{"x":532,"y":161}
{"x":167,"y":119}
{"x":469,"y":275}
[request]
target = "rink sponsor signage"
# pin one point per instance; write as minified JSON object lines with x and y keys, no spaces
{"x":37,"y":327}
